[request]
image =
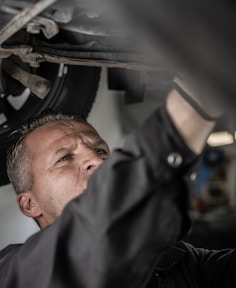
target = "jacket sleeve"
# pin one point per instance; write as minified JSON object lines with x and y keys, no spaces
{"x":188,"y":266}
{"x":136,"y":205}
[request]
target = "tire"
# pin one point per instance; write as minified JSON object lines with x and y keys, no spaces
{"x":73,"y":90}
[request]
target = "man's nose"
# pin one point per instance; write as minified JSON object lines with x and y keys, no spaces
{"x":90,"y":161}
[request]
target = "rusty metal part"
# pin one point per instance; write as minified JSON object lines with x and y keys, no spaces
{"x":37,"y":84}
{"x":39,"y":23}
{"x":22,"y":18}
{"x":99,"y":63}
{"x":26,"y":54}
{"x":47,"y":26}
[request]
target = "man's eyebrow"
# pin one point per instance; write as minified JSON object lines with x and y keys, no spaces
{"x":60,"y":150}
{"x":99,"y":142}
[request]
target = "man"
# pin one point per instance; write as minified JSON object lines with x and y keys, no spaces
{"x":117,"y":233}
{"x":47,"y":174}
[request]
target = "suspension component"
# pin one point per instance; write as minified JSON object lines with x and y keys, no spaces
{"x":37,"y":84}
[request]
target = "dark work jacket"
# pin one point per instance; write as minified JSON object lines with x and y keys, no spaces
{"x":114,"y":235}
{"x":184,"y":266}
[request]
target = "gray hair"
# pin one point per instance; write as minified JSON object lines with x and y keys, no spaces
{"x":19,"y":158}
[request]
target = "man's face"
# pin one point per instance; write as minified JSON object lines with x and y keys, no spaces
{"x":64,"y":155}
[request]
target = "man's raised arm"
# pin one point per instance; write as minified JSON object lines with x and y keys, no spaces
{"x":136,"y":205}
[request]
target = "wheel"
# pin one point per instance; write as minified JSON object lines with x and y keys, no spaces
{"x":73,"y":90}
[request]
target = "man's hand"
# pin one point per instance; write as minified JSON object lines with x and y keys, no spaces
{"x":192,"y":127}
{"x":203,"y":96}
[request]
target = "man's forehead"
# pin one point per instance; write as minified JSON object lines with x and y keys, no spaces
{"x":55,"y":131}
{"x":64,"y":126}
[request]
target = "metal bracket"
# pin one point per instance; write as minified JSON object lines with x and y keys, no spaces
{"x":34,"y":59}
{"x":39,"y":23}
{"x":25,"y":53}
{"x":37,"y":84}
{"x":47,"y":26}
{"x":22,"y":18}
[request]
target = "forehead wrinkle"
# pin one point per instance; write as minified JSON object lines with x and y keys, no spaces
{"x":81,"y":134}
{"x":63,"y":136}
{"x":95,"y":140}
{"x":71,"y":127}
{"x":67,"y":141}
{"x":73,"y":130}
{"x":64,"y":142}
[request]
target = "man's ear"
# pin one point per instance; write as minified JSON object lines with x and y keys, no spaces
{"x":27,"y":205}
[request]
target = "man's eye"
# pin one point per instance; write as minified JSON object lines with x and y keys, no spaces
{"x":101,"y":152}
{"x":65,"y":158}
